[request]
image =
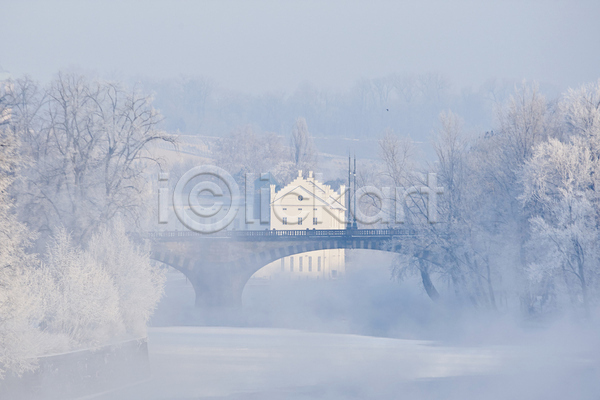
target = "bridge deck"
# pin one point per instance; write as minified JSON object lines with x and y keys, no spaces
{"x":289,"y":234}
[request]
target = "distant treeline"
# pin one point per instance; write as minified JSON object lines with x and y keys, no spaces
{"x":407,"y":104}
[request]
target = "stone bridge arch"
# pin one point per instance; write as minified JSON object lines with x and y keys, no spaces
{"x":220,"y":266}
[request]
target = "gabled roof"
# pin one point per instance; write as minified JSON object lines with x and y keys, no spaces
{"x":299,"y":184}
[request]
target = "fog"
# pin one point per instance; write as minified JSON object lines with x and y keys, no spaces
{"x":267,"y":46}
{"x":364,"y":337}
{"x":299,"y":200}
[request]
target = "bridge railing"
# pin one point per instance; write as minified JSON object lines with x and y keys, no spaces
{"x":290,"y":233}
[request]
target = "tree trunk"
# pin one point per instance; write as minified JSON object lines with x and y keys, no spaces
{"x":581,"y":275}
{"x":427,"y":284}
{"x":490,"y":286}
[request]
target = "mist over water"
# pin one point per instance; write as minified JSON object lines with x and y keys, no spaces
{"x":362,"y":336}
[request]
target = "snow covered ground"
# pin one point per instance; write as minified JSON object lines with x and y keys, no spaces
{"x":268,"y":363}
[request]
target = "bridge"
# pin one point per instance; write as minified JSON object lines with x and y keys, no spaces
{"x":220,"y":265}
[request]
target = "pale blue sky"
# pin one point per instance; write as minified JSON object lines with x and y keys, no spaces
{"x":258,"y":46}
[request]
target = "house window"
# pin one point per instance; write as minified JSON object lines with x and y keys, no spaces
{"x":299,"y":220}
{"x":300,"y":264}
{"x":319,"y":264}
{"x":309,"y":264}
{"x":291,"y":264}
{"x":285,"y":220}
{"x":314,"y":220}
{"x":282,"y":264}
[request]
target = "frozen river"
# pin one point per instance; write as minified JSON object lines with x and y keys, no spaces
{"x":256,"y":363}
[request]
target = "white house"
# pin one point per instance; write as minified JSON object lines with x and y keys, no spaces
{"x":303,"y":204}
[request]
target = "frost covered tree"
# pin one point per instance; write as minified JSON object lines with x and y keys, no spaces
{"x":17,"y":335}
{"x":83,"y":302}
{"x":397,"y":154}
{"x":560,"y":185}
{"x":581,"y":108}
{"x":452,"y":239}
{"x":245,"y":151}
{"x":304,"y":152}
{"x":82,"y":149}
{"x":525,"y":121}
{"x":482,"y":220}
{"x":443,"y":248}
{"x":138,"y":282}
{"x":558,"y":179}
{"x":455,"y":247}
{"x":88,"y":142}
{"x":88,"y":297}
